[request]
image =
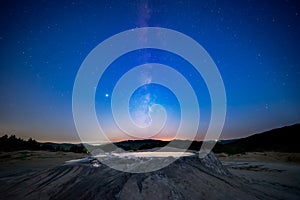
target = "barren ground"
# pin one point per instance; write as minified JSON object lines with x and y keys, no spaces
{"x":269,"y":174}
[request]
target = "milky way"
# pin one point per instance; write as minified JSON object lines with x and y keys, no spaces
{"x":255,"y":46}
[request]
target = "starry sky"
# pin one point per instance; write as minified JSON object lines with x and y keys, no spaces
{"x":255,"y":45}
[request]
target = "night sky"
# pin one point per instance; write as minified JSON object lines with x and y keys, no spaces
{"x":255,"y":45}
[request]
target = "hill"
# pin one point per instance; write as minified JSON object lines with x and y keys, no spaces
{"x":12,"y":143}
{"x":285,"y":139}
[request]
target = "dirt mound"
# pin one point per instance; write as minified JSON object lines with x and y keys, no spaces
{"x":187,"y":178}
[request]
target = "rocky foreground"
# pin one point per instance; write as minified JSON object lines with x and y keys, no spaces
{"x":186,"y":178}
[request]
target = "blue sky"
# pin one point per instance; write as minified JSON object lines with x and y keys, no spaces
{"x":255,"y":45}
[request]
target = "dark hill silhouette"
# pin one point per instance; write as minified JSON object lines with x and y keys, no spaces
{"x":12,"y":143}
{"x":283,"y":139}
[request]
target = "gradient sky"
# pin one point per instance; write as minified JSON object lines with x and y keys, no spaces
{"x":255,"y":45}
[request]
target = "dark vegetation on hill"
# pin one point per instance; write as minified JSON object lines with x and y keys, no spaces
{"x":12,"y":143}
{"x":283,"y":139}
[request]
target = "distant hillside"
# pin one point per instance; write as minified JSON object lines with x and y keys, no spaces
{"x":285,"y":139}
{"x":12,"y":143}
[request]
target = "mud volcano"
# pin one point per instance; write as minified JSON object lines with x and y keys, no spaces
{"x":187,"y":178}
